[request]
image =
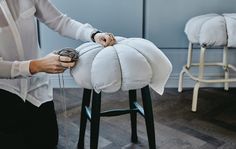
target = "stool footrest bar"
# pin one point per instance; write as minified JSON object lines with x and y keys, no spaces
{"x":117,"y":112}
{"x":88,"y":113}
{"x":140,"y":108}
{"x":205,"y":80}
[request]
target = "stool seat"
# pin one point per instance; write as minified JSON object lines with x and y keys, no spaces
{"x":209,"y":30}
{"x":131,"y":63}
{"x":230,"y":19}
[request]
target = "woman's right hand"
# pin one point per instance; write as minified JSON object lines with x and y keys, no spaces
{"x":51,"y":63}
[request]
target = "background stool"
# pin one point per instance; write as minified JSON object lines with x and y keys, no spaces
{"x":199,"y":31}
{"x":94,"y":114}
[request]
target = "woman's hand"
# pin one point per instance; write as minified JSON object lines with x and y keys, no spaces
{"x":105,"y":39}
{"x":51,"y":63}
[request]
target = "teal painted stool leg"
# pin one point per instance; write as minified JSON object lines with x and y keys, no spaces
{"x":83,"y":118}
{"x":148,"y":112}
{"x":133,"y":116}
{"x":95,"y":120}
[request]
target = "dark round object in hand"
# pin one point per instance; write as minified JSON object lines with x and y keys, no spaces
{"x":69,"y":52}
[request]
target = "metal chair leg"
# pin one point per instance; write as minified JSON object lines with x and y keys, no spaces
{"x":83,"y":118}
{"x":181,"y":75}
{"x":226,"y":85}
{"x":195,"y":96}
{"x":133,"y":116}
{"x":95,"y":120}
{"x":200,"y":76}
{"x":225,"y":67}
{"x":188,"y":65}
{"x":190,"y":55}
{"x":148,"y":112}
{"x":202,"y":62}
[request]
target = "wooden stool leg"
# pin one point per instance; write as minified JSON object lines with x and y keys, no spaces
{"x":83,"y":118}
{"x":95,"y":120}
{"x":148,"y":112}
{"x":133,"y":116}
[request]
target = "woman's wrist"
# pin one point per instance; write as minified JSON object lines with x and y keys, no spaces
{"x":93,"y":35}
{"x":33,"y":67}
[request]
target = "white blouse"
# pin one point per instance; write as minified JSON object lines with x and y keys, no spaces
{"x":14,"y":65}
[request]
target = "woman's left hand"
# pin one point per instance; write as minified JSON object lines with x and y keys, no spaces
{"x":105,"y":39}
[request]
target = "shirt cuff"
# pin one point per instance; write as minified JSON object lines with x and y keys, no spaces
{"x":20,"y":69}
{"x":24,"y":69}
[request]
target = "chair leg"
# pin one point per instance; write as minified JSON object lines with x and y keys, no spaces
{"x":190,"y":55}
{"x":226,"y":86}
{"x":95,"y":120}
{"x":83,"y":118}
{"x":188,"y":65}
{"x":202,"y":62}
{"x":148,"y":112}
{"x":133,"y":116}
{"x":226,"y":69}
{"x":195,"y":96}
{"x":181,"y":75}
{"x":200,"y":76}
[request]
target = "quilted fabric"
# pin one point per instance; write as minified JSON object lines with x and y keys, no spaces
{"x":131,"y":63}
{"x":207,"y":30}
{"x":212,"y":29}
{"x":230,"y":19}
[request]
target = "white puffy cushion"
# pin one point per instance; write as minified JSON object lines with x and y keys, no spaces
{"x":230,"y":19}
{"x":131,"y":63}
{"x":207,"y":30}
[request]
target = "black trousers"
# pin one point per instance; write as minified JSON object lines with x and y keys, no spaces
{"x":25,"y":126}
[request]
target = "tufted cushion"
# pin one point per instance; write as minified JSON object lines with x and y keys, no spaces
{"x":230,"y":19}
{"x":207,"y":30}
{"x":131,"y":63}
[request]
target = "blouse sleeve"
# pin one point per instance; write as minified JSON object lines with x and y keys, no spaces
{"x":16,"y":69}
{"x":47,"y":13}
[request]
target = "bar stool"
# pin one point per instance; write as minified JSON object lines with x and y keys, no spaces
{"x":129,"y":65}
{"x":207,"y":31}
{"x":93,"y":114}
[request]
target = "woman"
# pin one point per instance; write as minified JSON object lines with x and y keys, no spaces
{"x":28,"y":119}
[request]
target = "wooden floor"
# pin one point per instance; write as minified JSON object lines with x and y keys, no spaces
{"x":213,"y":126}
